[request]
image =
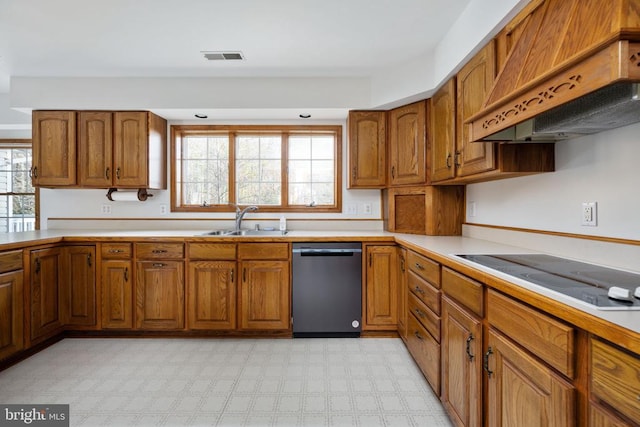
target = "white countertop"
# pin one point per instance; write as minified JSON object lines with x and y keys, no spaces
{"x":445,"y":246}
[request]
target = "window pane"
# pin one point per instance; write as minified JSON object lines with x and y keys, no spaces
{"x":258,"y":169}
{"x":299,"y":171}
{"x":322,"y":171}
{"x":323,"y":193}
{"x":322,"y":147}
{"x":299,"y":147}
{"x":270,"y":171}
{"x":248,"y":170}
{"x":300,"y":194}
{"x":17,"y":212}
{"x":5,"y":181}
{"x":195,"y":148}
{"x":204,"y":170}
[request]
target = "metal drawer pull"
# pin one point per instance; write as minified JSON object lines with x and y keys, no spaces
{"x":126,"y":274}
{"x":469,"y":355}
{"x":89,"y":260}
{"x":419,"y":266}
{"x":117,"y":173}
{"x":418,"y":290}
{"x":115,"y":251}
{"x":107,"y":175}
{"x":158,"y":264}
{"x":486,"y":362}
{"x":417,"y":334}
{"x":159,"y":251}
{"x":420,"y":313}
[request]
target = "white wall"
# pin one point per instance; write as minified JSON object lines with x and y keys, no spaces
{"x":601,"y":168}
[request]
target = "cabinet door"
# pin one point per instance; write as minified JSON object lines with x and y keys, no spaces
{"x":95,"y":149}
{"x":402,"y":293}
{"x":474,"y":82}
{"x":367,"y":149}
{"x":211,"y":296}
{"x":130,"y":149}
{"x":46,"y":275}
{"x":524,"y":392}
{"x":264,"y":295}
{"x":79,"y":296}
{"x":117,"y":294}
{"x":461,"y":364}
{"x":442,"y":126}
{"x":54,"y":148}
{"x":11,"y":313}
{"x":381,"y":293}
{"x":160,"y":294}
{"x":407,"y":144}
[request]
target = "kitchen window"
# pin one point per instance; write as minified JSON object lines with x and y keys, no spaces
{"x":278,"y":168}
{"x":18,"y":199}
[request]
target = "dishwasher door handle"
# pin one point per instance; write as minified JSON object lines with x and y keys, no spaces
{"x":326,"y":252}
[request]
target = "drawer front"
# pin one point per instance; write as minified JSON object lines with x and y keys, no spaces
{"x":213,"y":251}
{"x":10,"y":261}
{"x":159,"y":250}
{"x":116,"y":250}
{"x":547,"y":338}
{"x":466,"y":291}
{"x":263,"y":251}
{"x":615,"y":378}
{"x":427,"y":318}
{"x":425,"y":351}
{"x":424,"y":267}
{"x":426,"y":293}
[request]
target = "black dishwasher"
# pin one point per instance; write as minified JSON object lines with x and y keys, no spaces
{"x":327,"y":289}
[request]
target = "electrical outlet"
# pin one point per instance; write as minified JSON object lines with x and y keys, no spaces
{"x":163,"y":209}
{"x":590,"y":214}
{"x":105,"y":209}
{"x":352,"y":209}
{"x":471,"y":209}
{"x":366,"y":208}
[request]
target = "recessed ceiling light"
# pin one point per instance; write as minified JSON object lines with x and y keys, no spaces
{"x":304,"y":116}
{"x":201,"y":116}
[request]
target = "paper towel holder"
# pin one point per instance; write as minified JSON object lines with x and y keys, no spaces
{"x":142,"y":194}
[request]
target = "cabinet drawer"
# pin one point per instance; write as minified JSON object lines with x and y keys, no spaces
{"x":263,"y":251}
{"x":427,"y":318}
{"x":615,"y":378}
{"x":159,"y":250}
{"x":543,"y":336}
{"x":426,"y":293}
{"x":116,"y":250}
{"x":466,"y":291}
{"x":425,"y":351}
{"x":221,"y":251}
{"x":425,"y":268}
{"x":10,"y":261}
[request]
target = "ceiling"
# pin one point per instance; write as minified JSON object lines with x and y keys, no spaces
{"x":165,"y":38}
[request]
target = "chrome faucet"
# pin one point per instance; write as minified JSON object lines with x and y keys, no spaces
{"x":240,"y":213}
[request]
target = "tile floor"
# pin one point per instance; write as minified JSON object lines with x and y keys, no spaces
{"x":228,"y":382}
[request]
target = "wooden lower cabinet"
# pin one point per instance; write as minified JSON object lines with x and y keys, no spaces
{"x":116,"y":278}
{"x":380,"y":303}
{"x":79,"y":290}
{"x":425,"y":350}
{"x":212,"y":295}
{"x":523,"y":391}
{"x":46,"y":275}
{"x":461,"y":364}
{"x":264,"y":295}
{"x":11,"y":313}
{"x":159,"y":294}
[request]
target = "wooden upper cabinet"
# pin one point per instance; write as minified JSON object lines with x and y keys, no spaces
{"x":442,"y":142}
{"x":114,"y":149}
{"x":139,"y":137}
{"x":367,"y":149}
{"x":95,"y":148}
{"x":407,"y":144}
{"x":473,"y":83}
{"x":54,"y":148}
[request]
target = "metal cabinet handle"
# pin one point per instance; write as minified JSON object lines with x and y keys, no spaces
{"x":418,"y":290}
{"x":158,"y":264}
{"x":115,"y":251}
{"x":370,"y":259}
{"x":419,"y":266}
{"x":117,"y":173}
{"x":402,"y":267}
{"x":232,"y":275}
{"x":420,"y":313}
{"x":159,"y":251}
{"x":456,"y":159}
{"x":106,"y":173}
{"x":37,"y":266}
{"x":354,"y":172}
{"x":126,"y":274}
{"x":417,"y":334}
{"x":89,"y":260}
{"x":486,"y":362}
{"x":469,"y":355}
{"x":449,"y":161}
{"x":393,"y":172}
{"x":244,"y":274}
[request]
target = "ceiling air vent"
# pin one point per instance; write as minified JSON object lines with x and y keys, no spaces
{"x":223,"y":56}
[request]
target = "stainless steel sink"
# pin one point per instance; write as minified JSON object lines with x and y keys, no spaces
{"x":245,"y":233}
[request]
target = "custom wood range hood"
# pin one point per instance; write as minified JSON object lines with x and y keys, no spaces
{"x":560,"y":51}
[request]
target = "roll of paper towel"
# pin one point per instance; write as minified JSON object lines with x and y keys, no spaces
{"x":128,"y":195}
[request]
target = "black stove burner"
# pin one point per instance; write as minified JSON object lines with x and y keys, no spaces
{"x":586,"y":282}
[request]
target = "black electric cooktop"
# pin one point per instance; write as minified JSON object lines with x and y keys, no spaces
{"x":586,"y":282}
